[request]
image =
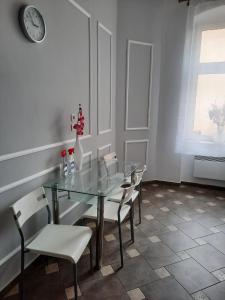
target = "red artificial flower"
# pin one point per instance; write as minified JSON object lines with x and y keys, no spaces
{"x":71,"y":151}
{"x":63,"y":153}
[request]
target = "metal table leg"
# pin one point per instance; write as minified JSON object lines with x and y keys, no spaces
{"x":55,"y":204}
{"x":99,"y":232}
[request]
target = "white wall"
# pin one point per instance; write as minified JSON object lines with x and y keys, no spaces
{"x":162,"y":23}
{"x":138,"y":21}
{"x":40,"y":85}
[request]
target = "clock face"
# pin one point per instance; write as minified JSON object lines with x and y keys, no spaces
{"x":32,"y":23}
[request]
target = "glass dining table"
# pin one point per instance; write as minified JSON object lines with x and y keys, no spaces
{"x":94,"y":180}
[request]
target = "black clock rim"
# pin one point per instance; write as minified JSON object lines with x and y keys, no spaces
{"x":22,"y":25}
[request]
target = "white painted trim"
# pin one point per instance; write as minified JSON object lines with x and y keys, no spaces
{"x":27,"y":179}
{"x":100,"y":132}
{"x":104,"y":147}
{"x":151,"y":46}
{"x":137,"y":142}
{"x":80,"y":8}
{"x":39,"y":149}
{"x":63,"y":214}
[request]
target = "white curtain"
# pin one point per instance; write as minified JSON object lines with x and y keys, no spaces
{"x":201,"y":124}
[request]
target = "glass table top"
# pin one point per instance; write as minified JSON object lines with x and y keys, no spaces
{"x":95,"y":179}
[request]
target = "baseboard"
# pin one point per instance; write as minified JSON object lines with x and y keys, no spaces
{"x":200,"y":185}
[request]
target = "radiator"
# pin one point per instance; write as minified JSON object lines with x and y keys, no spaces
{"x":209,"y":167}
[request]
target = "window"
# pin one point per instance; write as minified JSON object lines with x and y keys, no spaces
{"x":201,"y":122}
{"x":209,"y":111}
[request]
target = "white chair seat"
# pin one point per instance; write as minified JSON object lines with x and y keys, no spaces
{"x":117,"y":197}
{"x":63,"y":241}
{"x":110,"y":212}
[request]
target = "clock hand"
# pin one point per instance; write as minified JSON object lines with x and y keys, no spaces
{"x":32,"y":21}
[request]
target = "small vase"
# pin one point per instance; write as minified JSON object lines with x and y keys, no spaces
{"x":78,"y":153}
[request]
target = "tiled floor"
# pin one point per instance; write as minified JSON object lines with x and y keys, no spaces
{"x":178,"y":254}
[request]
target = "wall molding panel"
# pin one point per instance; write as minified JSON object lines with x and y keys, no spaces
{"x":85,"y":13}
{"x":128,"y":142}
{"x":101,"y":149}
{"x":39,"y":149}
{"x":150,"y":46}
{"x":100,"y":27}
{"x":34,"y":176}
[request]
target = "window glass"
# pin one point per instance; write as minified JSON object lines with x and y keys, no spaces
{"x":210,"y":104}
{"x":212,"y":46}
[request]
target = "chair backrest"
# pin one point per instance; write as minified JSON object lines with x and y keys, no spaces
{"x":24,"y":208}
{"x":139,"y":175}
{"x":109,"y":160}
{"x":127,"y":193}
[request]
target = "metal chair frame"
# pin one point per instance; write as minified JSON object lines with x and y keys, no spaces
{"x":24,"y":251}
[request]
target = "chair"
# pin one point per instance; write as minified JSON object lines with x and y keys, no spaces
{"x":115,"y":212}
{"x":60,"y":241}
{"x":111,"y":158}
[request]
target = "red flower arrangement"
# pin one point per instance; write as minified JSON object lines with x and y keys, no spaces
{"x":63,"y":153}
{"x":79,"y":125}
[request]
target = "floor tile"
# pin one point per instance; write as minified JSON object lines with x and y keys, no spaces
{"x":188,"y":219}
{"x":166,"y":289}
{"x":217,"y":240}
{"x":220,"y":198}
{"x":194,"y":230}
{"x":208,"y":257}
{"x":141,"y":272}
{"x":110,"y":237}
{"x":107,"y":270}
{"x":191,"y":275}
{"x":219,"y":274}
{"x":106,"y":288}
{"x":145,"y":201}
{"x":177,"y":202}
{"x":183,"y":255}
{"x":148,"y":217}
{"x":221,"y":228}
{"x":171,"y":191}
{"x":172,"y":228}
{"x":70,"y":292}
{"x":159,"y":255}
{"x":200,"y":241}
{"x":208,"y":220}
{"x":189,"y":197}
{"x":154,"y":239}
{"x":159,"y":196}
{"x":211,"y":204}
{"x":216,"y":292}
{"x":169,"y":219}
{"x":13,"y":291}
{"x":215,"y":229}
{"x":132,"y":252}
{"x":200,"y":211}
{"x":162,"y":273}
{"x":51,"y":268}
{"x":136,"y":294}
{"x":165,"y":209}
{"x":177,"y":241}
{"x":200,"y":192}
{"x":200,"y":296}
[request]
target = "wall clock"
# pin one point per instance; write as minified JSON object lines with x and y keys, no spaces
{"x":32,"y":23}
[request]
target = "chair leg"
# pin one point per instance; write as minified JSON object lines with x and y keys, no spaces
{"x":139,"y":204}
{"x":132,"y":222}
{"x":75,"y":281}
{"x":21,"y":286}
{"x":121,"y":243}
{"x":91,"y":255}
